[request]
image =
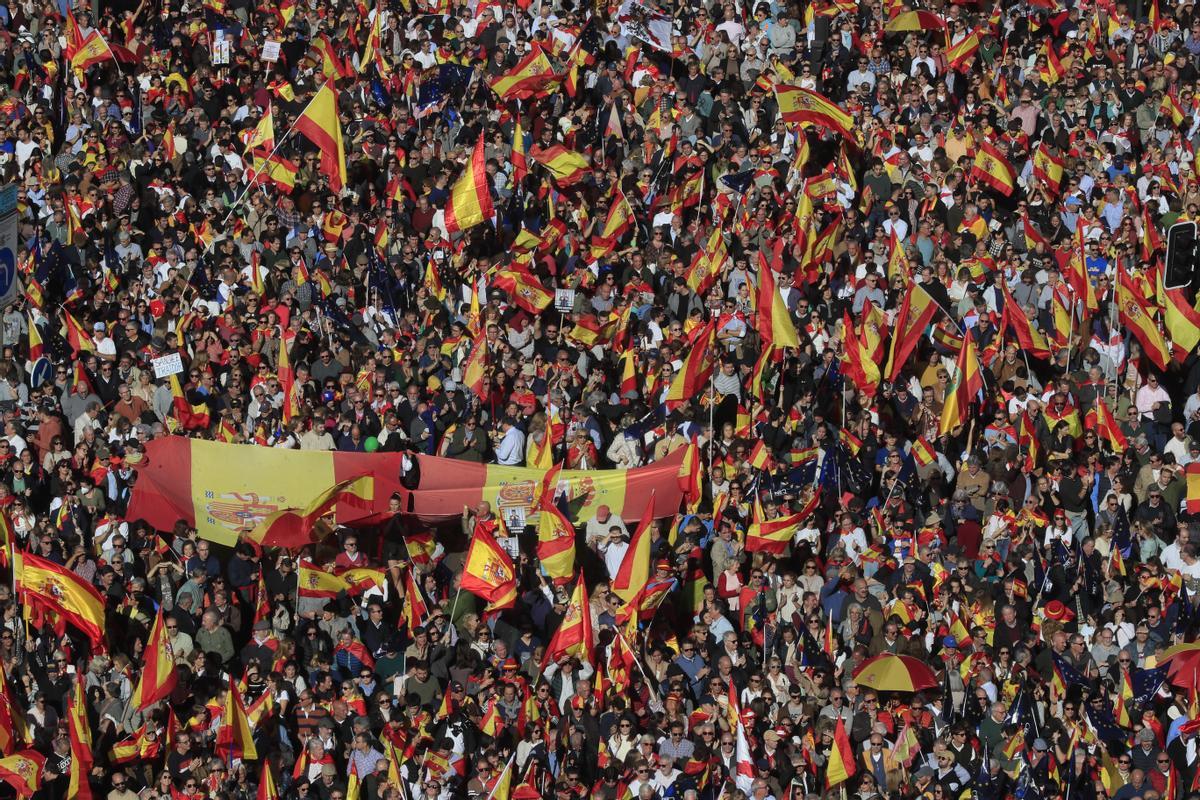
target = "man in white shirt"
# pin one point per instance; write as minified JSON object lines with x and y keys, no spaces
{"x":511,"y":450}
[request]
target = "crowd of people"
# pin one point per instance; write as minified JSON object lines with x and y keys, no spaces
{"x":894,"y":278}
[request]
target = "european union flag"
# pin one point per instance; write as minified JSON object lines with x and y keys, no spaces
{"x":1183,"y":611}
{"x":1105,"y":724}
{"x":380,"y":94}
{"x":1122,"y":536}
{"x":1146,"y":683}
{"x":1071,"y":676}
{"x":739,"y":182}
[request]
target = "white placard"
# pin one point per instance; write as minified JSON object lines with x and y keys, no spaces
{"x":564,"y":300}
{"x":166,"y":366}
{"x":270,"y":51}
{"x":220,"y":48}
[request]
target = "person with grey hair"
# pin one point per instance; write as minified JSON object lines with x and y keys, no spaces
{"x":214,"y":637}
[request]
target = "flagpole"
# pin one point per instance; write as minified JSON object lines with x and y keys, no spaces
{"x":638,"y":661}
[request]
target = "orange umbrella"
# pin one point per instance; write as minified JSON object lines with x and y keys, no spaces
{"x":890,"y":673}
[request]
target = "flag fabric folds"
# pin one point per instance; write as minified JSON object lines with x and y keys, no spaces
{"x":158,"y":677}
{"x":488,"y":571}
{"x":774,"y":323}
{"x":574,"y":634}
{"x":993,"y":169}
{"x":46,"y":584}
{"x":967,"y":384}
{"x":234,"y":736}
{"x":292,"y":527}
{"x":320,"y":125}
{"x":470,"y":200}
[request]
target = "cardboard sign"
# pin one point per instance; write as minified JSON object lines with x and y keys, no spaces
{"x":166,"y":366}
{"x":270,"y":51}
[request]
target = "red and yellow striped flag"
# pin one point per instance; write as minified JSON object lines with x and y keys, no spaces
{"x":574,"y":634}
{"x":320,"y":125}
{"x":158,"y":677}
{"x":567,"y":167}
{"x":23,"y":771}
{"x":470,"y":200}
{"x":56,"y":588}
{"x":774,"y":322}
{"x":79,"y":731}
{"x":993,"y":169}
{"x":292,"y":527}
{"x":967,"y":384}
{"x":234,"y":736}
{"x":488,"y":571}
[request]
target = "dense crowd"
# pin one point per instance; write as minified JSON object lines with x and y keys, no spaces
{"x":892,"y":278}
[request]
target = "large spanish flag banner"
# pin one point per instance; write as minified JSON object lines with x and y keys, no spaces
{"x":226,"y":489}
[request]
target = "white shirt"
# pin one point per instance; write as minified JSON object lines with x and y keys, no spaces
{"x":511,"y":451}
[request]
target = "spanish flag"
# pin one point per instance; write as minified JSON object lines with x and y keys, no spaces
{"x":841,"y":766}
{"x":488,"y":572}
{"x":470,"y":200}
{"x":697,"y":366}
{"x":1013,"y":318}
{"x":332,"y":66}
{"x":1182,"y":320}
{"x":774,"y":322}
{"x":520,"y":157}
{"x":158,"y":677}
{"x":292,"y":527}
{"x":1193,"y":487}
{"x":320,"y":125}
{"x":23,"y":771}
{"x":634,"y":572}
{"x":774,"y":535}
{"x":277,"y":170}
{"x":958,"y":53}
{"x":79,"y":731}
{"x":1048,"y":168}
{"x":266,"y":783}
{"x":77,"y":337}
{"x":968,"y":382}
{"x":915,"y":21}
{"x":922,"y":452}
{"x":315,"y":582}
{"x":261,"y":135}
{"x":1134,"y":313}
{"x":47,"y":585}
{"x":916,"y":313}
{"x":530,"y":76}
{"x":474,"y":369}
{"x":574,"y":634}
{"x":993,"y":169}
{"x":191,"y":417}
{"x":92,"y":50}
{"x":524,"y":289}
{"x":1033,"y":236}
{"x":1100,"y":419}
{"x":859,"y":363}
{"x":804,"y":107}
{"x":234,"y":737}
{"x":566,"y":166}
{"x":556,"y":540}
{"x":415,"y":607}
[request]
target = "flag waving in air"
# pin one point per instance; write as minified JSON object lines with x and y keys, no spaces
{"x":470,"y":200}
{"x":320,"y":125}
